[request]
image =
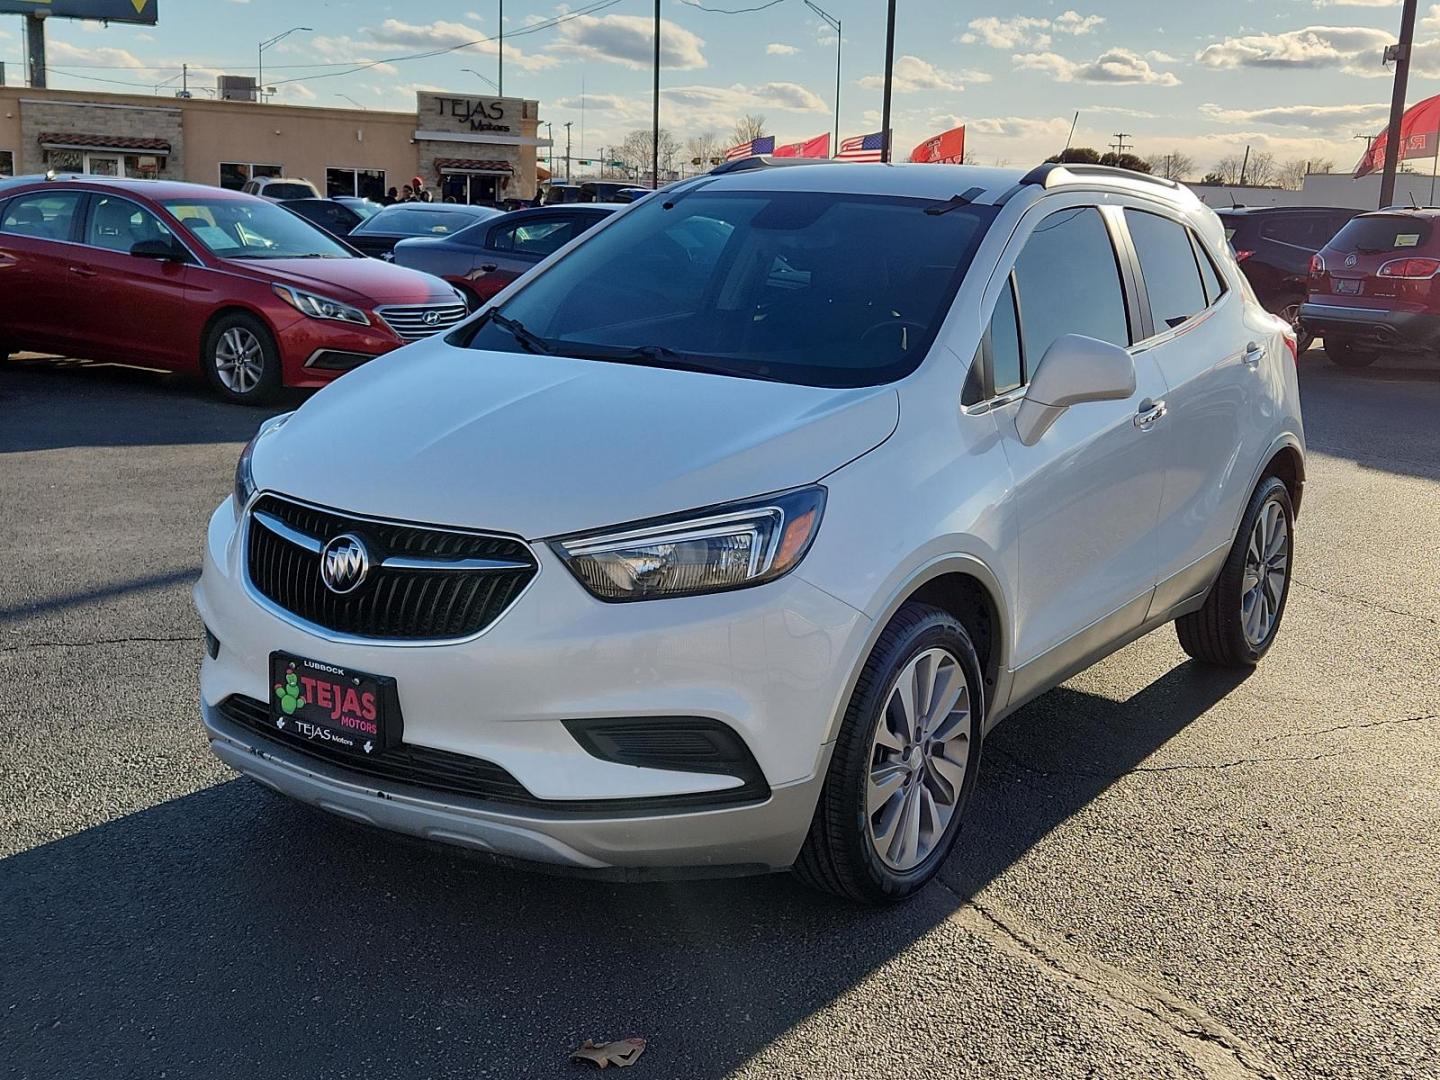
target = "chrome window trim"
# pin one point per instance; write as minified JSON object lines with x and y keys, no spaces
{"x":335,"y":637}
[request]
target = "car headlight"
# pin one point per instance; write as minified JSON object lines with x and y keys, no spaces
{"x":320,"y":307}
{"x":724,"y":547}
{"x":244,"y":478}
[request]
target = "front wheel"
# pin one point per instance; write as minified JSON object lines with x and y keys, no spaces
{"x":1242,"y":614}
{"x":1347,"y":353}
{"x":241,"y":361}
{"x":1291,"y":314}
{"x":904,"y":764}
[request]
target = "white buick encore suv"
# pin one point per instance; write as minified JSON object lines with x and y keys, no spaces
{"x":719,"y":542}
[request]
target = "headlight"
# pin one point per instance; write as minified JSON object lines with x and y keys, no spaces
{"x":244,"y":479}
{"x":725,"y":547}
{"x":320,"y":307}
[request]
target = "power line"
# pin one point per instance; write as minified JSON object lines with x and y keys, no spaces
{"x":729,"y":11}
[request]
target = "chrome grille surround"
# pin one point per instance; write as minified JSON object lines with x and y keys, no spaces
{"x":416,"y":322}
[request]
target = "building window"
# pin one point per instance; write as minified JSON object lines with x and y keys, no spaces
{"x":234,"y":174}
{"x":365,"y":183}
{"x":7,"y":163}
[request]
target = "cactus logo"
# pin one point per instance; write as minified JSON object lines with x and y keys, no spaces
{"x":344,"y":564}
{"x":289,"y":694}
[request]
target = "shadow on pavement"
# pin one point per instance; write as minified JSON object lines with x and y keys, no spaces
{"x":1381,"y":423}
{"x":83,"y":597}
{"x":231,"y":933}
{"x":117,"y":405}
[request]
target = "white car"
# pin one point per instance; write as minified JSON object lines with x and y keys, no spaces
{"x":719,"y":542}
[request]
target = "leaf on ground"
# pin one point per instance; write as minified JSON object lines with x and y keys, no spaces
{"x":621,"y":1052}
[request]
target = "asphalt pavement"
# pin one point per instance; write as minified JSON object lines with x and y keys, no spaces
{"x":1169,"y":871}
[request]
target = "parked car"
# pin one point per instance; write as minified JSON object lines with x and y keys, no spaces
{"x":631,"y":194}
{"x":378,"y":235}
{"x":365,"y":208}
{"x":488,"y":256}
{"x":190,"y":277}
{"x":726,"y":537}
{"x":1273,"y":245}
{"x":560,"y":193}
{"x":280,"y":188}
{"x":602,"y":191}
{"x":1373,"y":287}
{"x":332,"y":215}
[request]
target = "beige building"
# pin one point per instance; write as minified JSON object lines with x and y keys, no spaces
{"x":471,"y":149}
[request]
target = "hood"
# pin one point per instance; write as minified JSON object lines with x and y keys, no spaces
{"x":366,"y":282}
{"x":540,"y":446}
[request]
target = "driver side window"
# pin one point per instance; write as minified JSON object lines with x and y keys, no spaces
{"x":119,"y":224}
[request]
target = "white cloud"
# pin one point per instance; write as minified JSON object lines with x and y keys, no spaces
{"x":1314,"y":117}
{"x":393,"y":35}
{"x":776,"y":49}
{"x":1072,"y":22}
{"x":1356,"y":50}
{"x":728,"y":102}
{"x":1118,"y":66}
{"x":1018,"y":127}
{"x":1035,"y":31}
{"x":913,"y":73}
{"x":1357,"y":3}
{"x":629,"y":40}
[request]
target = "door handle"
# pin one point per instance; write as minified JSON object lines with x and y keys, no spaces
{"x":1150,"y":411}
{"x":1254,"y":353}
{"x":84,"y":271}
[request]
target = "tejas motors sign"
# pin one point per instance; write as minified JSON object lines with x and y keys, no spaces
{"x":470,"y":115}
{"x":128,"y":11}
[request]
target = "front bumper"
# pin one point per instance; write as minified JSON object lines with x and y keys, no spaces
{"x":771,"y":663}
{"x":1381,"y":326}
{"x":304,"y":345}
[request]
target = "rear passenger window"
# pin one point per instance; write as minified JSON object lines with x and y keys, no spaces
{"x":1167,"y":263}
{"x":1068,"y":282}
{"x":46,"y":215}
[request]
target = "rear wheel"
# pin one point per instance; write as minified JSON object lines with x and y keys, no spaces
{"x":1346,"y":352}
{"x":241,"y":361}
{"x":1290,"y":312}
{"x":1242,"y":614}
{"x":904,"y":763}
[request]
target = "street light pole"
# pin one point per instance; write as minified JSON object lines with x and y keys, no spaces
{"x":260,"y":57}
{"x":834,"y":24}
{"x":486,"y":78}
{"x":655,"y":109}
{"x":500,"y":64}
{"x":889,"y":81}
{"x":1401,"y":55}
{"x":567,"y":150}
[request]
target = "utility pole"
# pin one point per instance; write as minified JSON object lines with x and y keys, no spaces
{"x":1369,"y":141}
{"x":500,"y":58}
{"x":834,"y":24}
{"x":655,"y":109}
{"x":1401,"y":55}
{"x":889,"y":80}
{"x":567,"y":150}
{"x":35,"y":48}
{"x":1245,"y":165}
{"x":1119,"y":144}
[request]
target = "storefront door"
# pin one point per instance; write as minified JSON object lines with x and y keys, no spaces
{"x":470,"y":189}
{"x":104,"y":165}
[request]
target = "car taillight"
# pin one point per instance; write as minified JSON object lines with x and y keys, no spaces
{"x":1317,"y":263}
{"x":1294,"y":347}
{"x":1241,"y":256}
{"x":1410,"y":268}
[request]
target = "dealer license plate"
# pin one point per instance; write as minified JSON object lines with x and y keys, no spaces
{"x":333,"y":708}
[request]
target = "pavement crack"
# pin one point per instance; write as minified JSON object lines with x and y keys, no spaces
{"x":1359,"y":725}
{"x":1014,"y":764}
{"x":27,"y":646}
{"x":1215,"y":1051}
{"x":1364,"y":602}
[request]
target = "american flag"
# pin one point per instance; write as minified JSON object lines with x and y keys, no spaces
{"x":764,"y":145}
{"x":861,"y":147}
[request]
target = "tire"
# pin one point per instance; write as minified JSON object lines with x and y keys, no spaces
{"x":1231,"y":629}
{"x":842,"y":853}
{"x":1347,"y":353}
{"x":1290,"y":312}
{"x":244,"y":338}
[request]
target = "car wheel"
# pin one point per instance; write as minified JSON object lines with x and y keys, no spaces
{"x":241,"y":361}
{"x":1242,"y":614}
{"x":1347,"y":353}
{"x":904,"y":763}
{"x":1291,"y":314}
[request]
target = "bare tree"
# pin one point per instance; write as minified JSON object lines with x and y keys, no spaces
{"x":1262,"y":170}
{"x":637,"y":147}
{"x":1291,"y":174}
{"x":669,"y":153}
{"x":702,"y":149}
{"x":1227,"y":170}
{"x":750,"y":126}
{"x":1322,"y":165}
{"x":1172,"y":166}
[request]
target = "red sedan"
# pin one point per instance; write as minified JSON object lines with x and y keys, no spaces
{"x":184,"y":276}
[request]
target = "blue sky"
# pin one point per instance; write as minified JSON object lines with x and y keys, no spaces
{"x":1298,"y":78}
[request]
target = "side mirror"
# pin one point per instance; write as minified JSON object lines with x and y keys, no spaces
{"x":1074,"y":369}
{"x":166,"y":250}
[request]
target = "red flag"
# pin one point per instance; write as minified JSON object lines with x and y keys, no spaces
{"x":947,"y":148}
{"x":817,"y":147}
{"x":1419,"y":128}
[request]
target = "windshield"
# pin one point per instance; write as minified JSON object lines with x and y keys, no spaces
{"x":407,"y":221}
{"x":289,"y":191}
{"x":246,"y":229}
{"x":1382,"y":232}
{"x":802,"y":287}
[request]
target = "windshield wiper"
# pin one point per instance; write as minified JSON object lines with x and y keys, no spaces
{"x":516,"y":329}
{"x":660,"y":356}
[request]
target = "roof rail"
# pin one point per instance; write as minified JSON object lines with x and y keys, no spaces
{"x":1052,"y":174}
{"x":765,"y":161}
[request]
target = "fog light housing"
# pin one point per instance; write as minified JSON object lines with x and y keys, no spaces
{"x":212,"y":643}
{"x":677,"y":743}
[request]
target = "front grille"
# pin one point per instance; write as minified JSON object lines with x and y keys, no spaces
{"x":414,"y":323}
{"x":407,"y":604}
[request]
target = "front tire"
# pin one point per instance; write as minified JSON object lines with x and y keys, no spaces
{"x":904,"y":763}
{"x":1348,"y":353}
{"x":241,"y":361}
{"x":1241,"y":617}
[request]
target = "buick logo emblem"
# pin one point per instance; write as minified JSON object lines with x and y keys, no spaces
{"x":344,"y":563}
{"x":1350,"y":261}
{"x":431,"y":318}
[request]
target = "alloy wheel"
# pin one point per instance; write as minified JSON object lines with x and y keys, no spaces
{"x":918,"y":759}
{"x":1267,"y":566}
{"x":239,"y":360}
{"x":1291,"y":314}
